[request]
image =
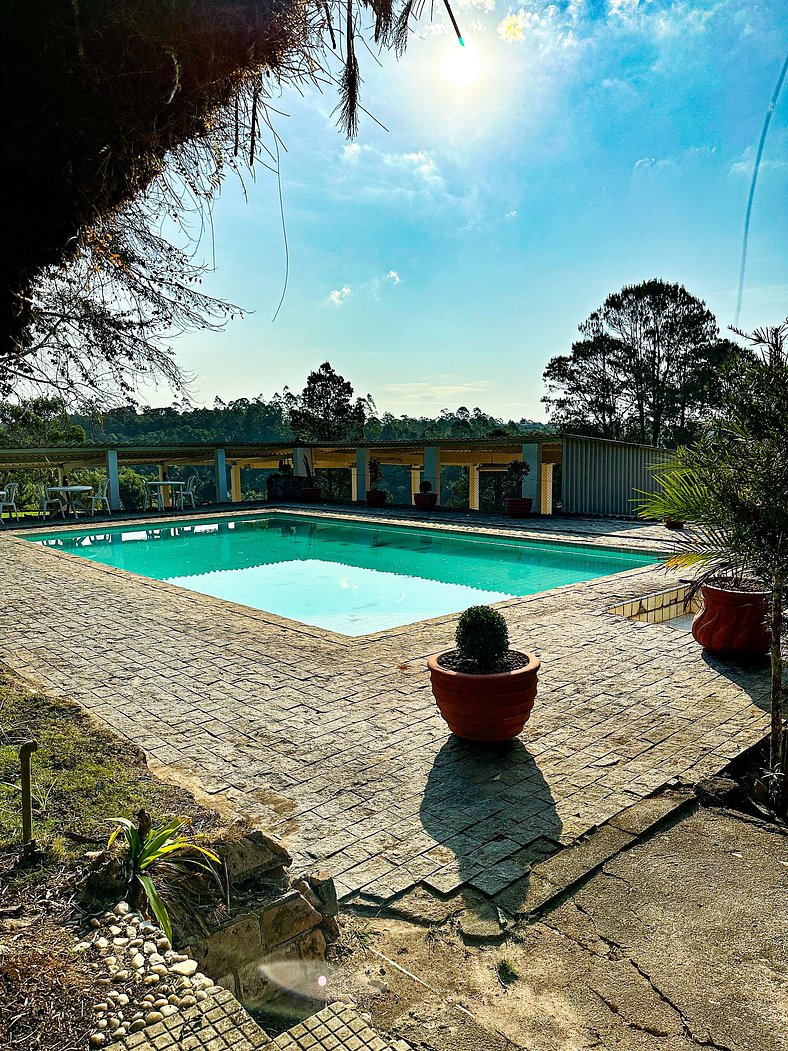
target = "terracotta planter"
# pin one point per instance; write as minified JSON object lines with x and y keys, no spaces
{"x":733,"y":622}
{"x":425,"y":501}
{"x":673,"y":523}
{"x":376,"y":497}
{"x":310,"y":494}
{"x":517,"y":506}
{"x":485,"y":707}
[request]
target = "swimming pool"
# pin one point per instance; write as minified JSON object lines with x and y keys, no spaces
{"x":348,"y":577}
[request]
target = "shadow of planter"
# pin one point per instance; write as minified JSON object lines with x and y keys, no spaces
{"x":492,"y":815}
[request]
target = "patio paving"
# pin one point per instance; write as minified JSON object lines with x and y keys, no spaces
{"x":335,"y":745}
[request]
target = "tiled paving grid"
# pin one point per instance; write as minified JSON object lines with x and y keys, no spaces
{"x":221,"y":1024}
{"x":336,"y":745}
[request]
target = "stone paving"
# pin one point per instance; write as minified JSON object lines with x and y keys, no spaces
{"x":335,"y":744}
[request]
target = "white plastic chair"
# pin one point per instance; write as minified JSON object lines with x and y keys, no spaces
{"x":153,"y":498}
{"x":100,"y":497}
{"x":9,"y":500}
{"x":47,"y":500}
{"x":185,"y":493}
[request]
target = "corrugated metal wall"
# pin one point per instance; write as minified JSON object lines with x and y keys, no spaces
{"x":601,"y":477}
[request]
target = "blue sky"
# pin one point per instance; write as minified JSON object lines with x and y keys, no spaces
{"x":568,"y":150}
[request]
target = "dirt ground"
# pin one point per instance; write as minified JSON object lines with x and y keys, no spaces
{"x":679,"y":943}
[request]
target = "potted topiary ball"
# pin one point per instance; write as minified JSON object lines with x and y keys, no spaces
{"x":425,"y":499}
{"x":376,"y":497}
{"x":484,"y":690}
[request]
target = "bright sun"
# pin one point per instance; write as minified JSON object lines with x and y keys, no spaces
{"x":462,"y":65}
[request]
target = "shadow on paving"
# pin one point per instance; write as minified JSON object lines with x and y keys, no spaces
{"x":491,"y":812}
{"x":751,"y":675}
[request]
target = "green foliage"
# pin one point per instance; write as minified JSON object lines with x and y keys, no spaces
{"x":646,"y":369}
{"x":326,"y":411}
{"x":519,"y":469}
{"x":506,"y":971}
{"x":164,"y":851}
{"x":375,"y":473}
{"x":38,"y":421}
{"x":732,"y":485}
{"x":482,"y":636}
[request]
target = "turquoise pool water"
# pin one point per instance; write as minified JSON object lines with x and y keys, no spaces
{"x":344,"y":576}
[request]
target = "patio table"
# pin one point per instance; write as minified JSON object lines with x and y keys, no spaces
{"x":157,"y":488}
{"x":71,"y":492}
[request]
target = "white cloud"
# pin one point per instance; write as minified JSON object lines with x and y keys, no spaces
{"x":745,"y":165}
{"x":351,"y":152}
{"x":512,"y":214}
{"x":652,"y":164}
{"x":338,"y":296}
{"x":548,"y":28}
{"x":482,"y":5}
{"x":431,"y":392}
{"x":393,"y":277}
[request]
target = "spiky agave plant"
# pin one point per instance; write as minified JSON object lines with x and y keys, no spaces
{"x":164,"y":851}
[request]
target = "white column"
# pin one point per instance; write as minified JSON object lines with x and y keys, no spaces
{"x":61,"y":475}
{"x":547,"y":489}
{"x":415,"y":479}
{"x":353,"y":485}
{"x":113,"y":490}
{"x":302,"y":461}
{"x":532,"y":482}
{"x":362,"y":472}
{"x":235,"y":483}
{"x":220,"y":475}
{"x":432,"y":468}
{"x":473,"y":487}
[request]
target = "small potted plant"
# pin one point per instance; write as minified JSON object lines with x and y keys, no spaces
{"x":376,"y":497}
{"x":309,"y":493}
{"x":484,"y":690}
{"x":425,"y":499}
{"x":518,"y":506}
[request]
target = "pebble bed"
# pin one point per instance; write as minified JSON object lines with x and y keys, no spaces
{"x":146,"y":981}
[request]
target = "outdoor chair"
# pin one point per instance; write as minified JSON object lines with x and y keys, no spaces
{"x":9,"y":500}
{"x":47,"y":500}
{"x":99,"y":497}
{"x":186,"y":493}
{"x":153,"y":499}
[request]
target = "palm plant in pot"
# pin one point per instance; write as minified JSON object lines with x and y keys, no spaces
{"x":518,"y":506}
{"x":732,"y":488}
{"x":376,"y":497}
{"x":484,"y":690}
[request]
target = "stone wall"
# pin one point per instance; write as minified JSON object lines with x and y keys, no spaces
{"x":276,"y":935}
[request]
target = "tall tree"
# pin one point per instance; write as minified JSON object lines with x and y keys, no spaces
{"x":646,"y":369}
{"x":326,"y":410}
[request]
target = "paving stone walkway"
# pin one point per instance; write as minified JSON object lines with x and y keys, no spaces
{"x":335,"y":744}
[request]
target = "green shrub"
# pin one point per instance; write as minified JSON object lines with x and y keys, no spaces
{"x":132,"y":489}
{"x":482,"y":636}
{"x":375,"y":473}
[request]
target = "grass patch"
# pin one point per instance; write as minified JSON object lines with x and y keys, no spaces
{"x":81,"y":776}
{"x":506,"y":971}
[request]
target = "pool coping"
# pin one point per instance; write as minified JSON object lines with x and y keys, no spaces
{"x":325,"y":634}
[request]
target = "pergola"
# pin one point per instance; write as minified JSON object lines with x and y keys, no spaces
{"x":598,"y":477}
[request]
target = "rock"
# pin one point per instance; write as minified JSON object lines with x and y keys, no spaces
{"x":151,"y":979}
{"x":162,"y":944}
{"x":323,"y":886}
{"x":160,"y":969}
{"x":122,"y":976}
{"x":102,"y":1023}
{"x":100,"y":1008}
{"x":718,"y":791}
{"x":330,"y":928}
{"x":253,"y":853}
{"x":303,"y":888}
{"x":149,"y":947}
{"x":138,"y":961}
{"x":120,"y":942}
{"x":118,"y":1033}
{"x":97,"y":1039}
{"x":184,"y":967}
{"x":187,"y":1001}
{"x":136,"y":1026}
{"x":288,"y":917}
{"x":149,"y":998}
{"x":94,"y":922}
{"x":101,"y":943}
{"x":201,"y":995}
{"x":114,"y":929}
{"x":114,"y":1021}
{"x":155,"y":958}
{"x":169,"y":1009}
{"x":122,"y":998}
{"x":122,"y":909}
{"x":81,"y":946}
{"x":135,"y":943}
{"x":479,"y":921}
{"x":152,"y":1017}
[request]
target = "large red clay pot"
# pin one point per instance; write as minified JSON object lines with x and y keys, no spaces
{"x":485,"y":707}
{"x":733,"y":622}
{"x":425,"y":501}
{"x":376,"y":497}
{"x":518,"y":506}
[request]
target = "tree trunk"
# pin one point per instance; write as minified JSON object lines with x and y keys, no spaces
{"x":778,"y":753}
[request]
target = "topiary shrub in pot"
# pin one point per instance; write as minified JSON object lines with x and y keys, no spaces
{"x":484,"y":690}
{"x":425,"y":499}
{"x":376,"y":497}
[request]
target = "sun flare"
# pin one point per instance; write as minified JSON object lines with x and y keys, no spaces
{"x":463,"y":65}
